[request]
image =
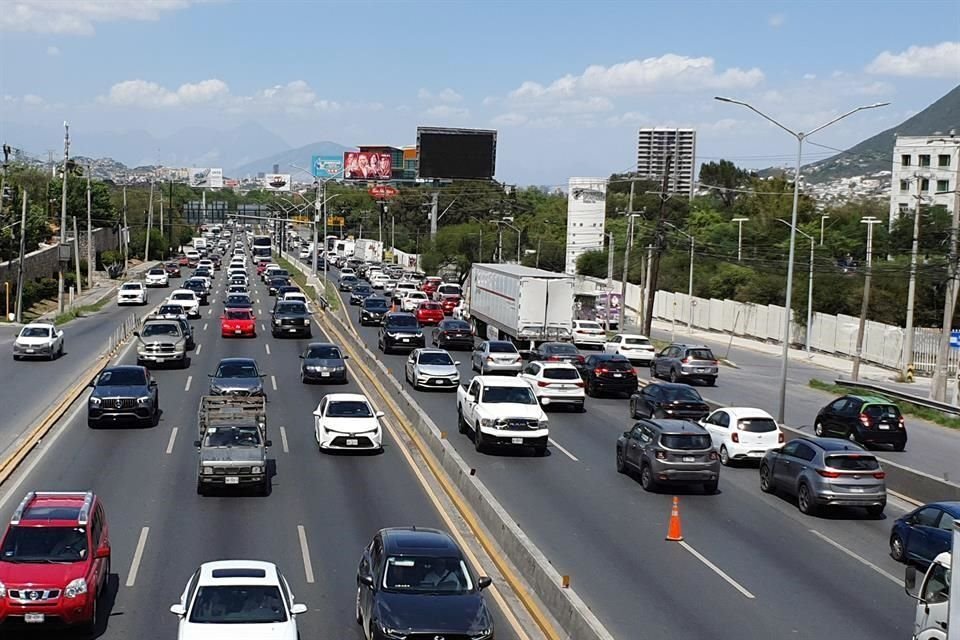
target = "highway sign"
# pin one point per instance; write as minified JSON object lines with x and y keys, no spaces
{"x":335,"y":220}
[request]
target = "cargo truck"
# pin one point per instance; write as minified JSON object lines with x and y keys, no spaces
{"x":938,"y":605}
{"x":523,"y":304}
{"x":232,"y":444}
{"x":368,"y":250}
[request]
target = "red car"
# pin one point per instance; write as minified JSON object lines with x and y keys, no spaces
{"x":429,"y":313}
{"x":430,"y":285}
{"x":183,"y":261}
{"x":172,"y":269}
{"x":55,"y":560}
{"x":448,"y":304}
{"x":238,"y":323}
{"x":261,"y":267}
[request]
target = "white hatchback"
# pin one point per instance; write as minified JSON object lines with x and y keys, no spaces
{"x":555,"y":383}
{"x":742,"y":433}
{"x":634,"y":347}
{"x":347,"y":421}
{"x":588,"y":332}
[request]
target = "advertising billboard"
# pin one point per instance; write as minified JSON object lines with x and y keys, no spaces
{"x":367,"y":165}
{"x":469,"y":154}
{"x":326,"y":167}
{"x":586,"y":214}
{"x":206,"y":177}
{"x":276,"y":182}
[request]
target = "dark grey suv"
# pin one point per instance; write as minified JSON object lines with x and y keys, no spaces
{"x":680,"y":362}
{"x":125,"y":393}
{"x":669,"y":452}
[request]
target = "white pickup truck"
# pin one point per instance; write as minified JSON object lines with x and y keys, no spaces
{"x":501,"y":411}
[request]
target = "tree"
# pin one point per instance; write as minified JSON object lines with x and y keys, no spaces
{"x":728,"y":177}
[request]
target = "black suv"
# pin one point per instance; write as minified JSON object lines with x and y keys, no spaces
{"x":125,"y":393}
{"x":686,"y":361}
{"x":869,"y":420}
{"x":608,"y":373}
{"x":453,"y":333}
{"x":290,"y":319}
{"x":668,"y":400}
{"x":400,"y":331}
{"x":372,"y":311}
{"x":417,"y":583}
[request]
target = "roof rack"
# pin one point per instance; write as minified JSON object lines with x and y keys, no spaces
{"x":82,"y":518}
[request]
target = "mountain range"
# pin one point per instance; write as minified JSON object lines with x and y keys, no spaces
{"x":285,"y":159}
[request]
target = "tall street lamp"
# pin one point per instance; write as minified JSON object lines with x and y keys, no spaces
{"x":809,"y":286}
{"x":822,"y":219}
{"x":800,"y":137}
{"x":740,"y":222}
{"x":320,"y":203}
{"x":865,"y":303}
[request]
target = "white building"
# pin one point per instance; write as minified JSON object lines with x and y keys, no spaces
{"x":927,"y":167}
{"x":655,"y":145}
{"x":586,"y":214}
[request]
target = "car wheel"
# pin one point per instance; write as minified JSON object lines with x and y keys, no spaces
{"x":711,"y":381}
{"x":805,"y":500}
{"x":900,"y":446}
{"x":621,"y":463}
{"x":766,"y":482}
{"x":897,"y":550}
{"x":591,"y":389}
{"x":724,"y":456}
{"x":653,"y":371}
{"x":710,"y":488}
{"x":646,"y":479}
{"x":461,"y":424}
{"x":673,"y":376}
{"x":582,"y":407}
{"x":633,"y":410}
{"x":16,"y":358}
{"x":876,"y":510}
{"x":852,"y":436}
{"x":478,"y":443}
{"x":540,"y":450}
{"x":90,"y":626}
{"x":818,"y":429}
{"x":200,"y":490}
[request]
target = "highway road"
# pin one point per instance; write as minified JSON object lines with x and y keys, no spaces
{"x":752,"y":566}
{"x":147,"y":479}
{"x":931,"y":447}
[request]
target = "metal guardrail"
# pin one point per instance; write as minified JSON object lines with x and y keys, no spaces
{"x":945,"y":407}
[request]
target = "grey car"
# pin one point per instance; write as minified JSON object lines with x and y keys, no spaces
{"x":496,"y":356}
{"x":686,"y":362}
{"x":825,"y":472}
{"x":669,"y":452}
{"x":431,"y":368}
{"x":290,"y":319}
{"x":237,"y":377}
{"x":124,"y":393}
{"x":323,"y":362}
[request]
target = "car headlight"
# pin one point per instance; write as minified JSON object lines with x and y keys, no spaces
{"x":76,"y":588}
{"x":391,"y":334}
{"x":393,"y":634}
{"x":487,"y":422}
{"x":143,"y":401}
{"x":255,"y":470}
{"x":215,"y":389}
{"x":208,"y":471}
{"x":276,"y":322}
{"x":484,"y":634}
{"x":94,"y":402}
{"x":542,"y":424}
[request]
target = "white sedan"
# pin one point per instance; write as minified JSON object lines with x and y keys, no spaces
{"x":188,"y":299}
{"x":555,"y":383}
{"x":742,"y":433}
{"x":588,"y":332}
{"x":432,"y":368}
{"x":346,"y":421}
{"x":634,"y":347}
{"x":237,"y":599}
{"x":38,"y":340}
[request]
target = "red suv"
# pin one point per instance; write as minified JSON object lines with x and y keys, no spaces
{"x":54,"y":560}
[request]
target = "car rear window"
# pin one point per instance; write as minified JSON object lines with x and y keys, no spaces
{"x":850,"y":462}
{"x":757,"y":425}
{"x":561,"y":348}
{"x":502,"y":347}
{"x":589,"y":325}
{"x":882,"y":411}
{"x":561,"y":373}
{"x":641,"y":341}
{"x":681,"y":394}
{"x":616,"y":365}
{"x":456,"y":325}
{"x":700,"y":354}
{"x":685,"y":441}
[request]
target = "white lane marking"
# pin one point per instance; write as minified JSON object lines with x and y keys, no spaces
{"x":283,"y":440}
{"x":209,"y":311}
{"x":733,"y":583}
{"x":267,"y":347}
{"x":137,"y":556}
{"x":263,"y":327}
{"x":199,"y":347}
{"x":173,"y":438}
{"x":860,"y":559}
{"x":213,"y":300}
{"x":204,"y":326}
{"x":273,"y":382}
{"x":187,"y":386}
{"x":565,"y":452}
{"x":258,"y":300}
{"x":305,"y":552}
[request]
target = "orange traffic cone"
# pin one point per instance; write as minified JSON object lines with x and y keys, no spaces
{"x":674,"y":534}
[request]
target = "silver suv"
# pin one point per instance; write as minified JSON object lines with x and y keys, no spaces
{"x":825,"y":472}
{"x":669,"y":452}
{"x":680,"y":362}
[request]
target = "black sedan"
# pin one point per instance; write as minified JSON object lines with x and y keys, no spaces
{"x":360,"y":292}
{"x":668,"y":400}
{"x":557,"y":352}
{"x":451,"y":333}
{"x":608,"y":373}
{"x":323,"y":362}
{"x":418,"y":583}
{"x":123,"y":394}
{"x":372,"y":311}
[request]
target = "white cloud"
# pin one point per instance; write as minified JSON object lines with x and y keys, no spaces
{"x":938,"y":61}
{"x":446,"y":96}
{"x":150,"y":95}
{"x":78,"y":17}
{"x":809,"y":76}
{"x":777,"y":20}
{"x":509,"y":120}
{"x":33,"y":100}
{"x":447,"y":112}
{"x":632,"y":118}
{"x":53,"y":51}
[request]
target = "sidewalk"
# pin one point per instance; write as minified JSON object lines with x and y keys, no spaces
{"x":103,"y":287}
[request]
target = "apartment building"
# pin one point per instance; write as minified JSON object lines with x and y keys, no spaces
{"x":655,"y":145}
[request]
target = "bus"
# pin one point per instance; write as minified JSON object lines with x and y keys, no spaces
{"x":261,"y":249}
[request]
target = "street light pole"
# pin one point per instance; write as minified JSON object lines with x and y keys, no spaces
{"x":865,"y":304}
{"x":809,"y":285}
{"x":63,"y":215}
{"x":906,"y":355}
{"x":89,"y":231}
{"x":800,"y":137}
{"x":822,"y":218}
{"x":740,"y":222}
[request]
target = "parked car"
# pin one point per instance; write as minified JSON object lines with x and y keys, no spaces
{"x":742,"y":433}
{"x":557,"y":352}
{"x":372,"y":311}
{"x":323,"y":362}
{"x":637,"y":348}
{"x":347,"y":421}
{"x":237,"y":322}
{"x":668,"y":400}
{"x":609,"y":373}
{"x":496,"y":356}
{"x":686,"y":362}
{"x":429,"y":313}
{"x":555,"y":383}
{"x":924,"y":533}
{"x":589,"y":333}
{"x":431,"y":368}
{"x":869,"y":420}
{"x":123,"y":394}
{"x":38,"y":340}
{"x":453,"y":333}
{"x":669,"y":452}
{"x":825,"y":472}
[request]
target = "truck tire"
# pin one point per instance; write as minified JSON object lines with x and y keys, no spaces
{"x":461,"y":424}
{"x":478,"y":443}
{"x":201,"y":491}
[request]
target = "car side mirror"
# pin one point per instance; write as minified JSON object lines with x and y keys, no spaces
{"x":456,"y":363}
{"x":196,"y":443}
{"x":471,"y":397}
{"x":298,"y":608}
{"x":345,"y":357}
{"x":483,"y":582}
{"x":103,"y":552}
{"x":136,"y":333}
{"x":178,"y":609}
{"x":378,"y":414}
{"x":153,"y":383}
{"x":910,"y":582}
{"x":365,"y":580}
{"x":269,"y":443}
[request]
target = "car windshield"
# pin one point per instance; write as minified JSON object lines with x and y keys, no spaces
{"x":681,"y":394}
{"x":171,"y":309}
{"x":513,"y":395}
{"x":502,"y":347}
{"x":121,"y":378}
{"x":403,"y":322}
{"x":685,"y":441}
{"x":238,"y":604}
{"x":183,"y":296}
{"x":324,"y":353}
{"x":349,"y":409}
{"x":362,"y":288}
{"x":640,"y":341}
{"x":700,"y":354}
{"x":232,"y":437}
{"x":239,"y":314}
{"x":757,"y":425}
{"x":131,"y":285}
{"x":561,"y":349}
{"x":156,"y":272}
{"x":348,"y":278}
{"x":561,"y":373}
{"x":615,"y":365}
{"x":427,"y":575}
{"x":160,"y":329}
{"x":446,"y":289}
{"x":430,"y":306}
{"x":852,"y":462}
{"x":291,"y":307}
{"x":431,"y":357}
{"x":237,"y":370}
{"x":238,"y":298}
{"x":35,"y":332}
{"x":45,"y":544}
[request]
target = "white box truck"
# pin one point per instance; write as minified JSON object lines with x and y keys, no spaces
{"x":509,"y":301}
{"x":368,"y":250}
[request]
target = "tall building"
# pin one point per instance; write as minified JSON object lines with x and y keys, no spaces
{"x":924,"y":166}
{"x":586,"y":214}
{"x":656,"y":144}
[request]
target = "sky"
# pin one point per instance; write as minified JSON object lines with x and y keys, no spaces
{"x":565,"y":83}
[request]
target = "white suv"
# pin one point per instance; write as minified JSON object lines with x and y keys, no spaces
{"x":132,"y":293}
{"x":237,"y":599}
{"x":157,"y":277}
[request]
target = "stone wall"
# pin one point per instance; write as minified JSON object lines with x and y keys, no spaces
{"x":42,"y":263}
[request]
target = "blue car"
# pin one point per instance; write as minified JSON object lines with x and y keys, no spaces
{"x":924,"y":533}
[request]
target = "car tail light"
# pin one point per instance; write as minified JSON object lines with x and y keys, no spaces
{"x":780,"y":438}
{"x":541,"y":383}
{"x":580,"y":384}
{"x":661,"y":455}
{"x":716,"y":362}
{"x":828,"y":474}
{"x":735,"y":437}
{"x":600,"y":370}
{"x":713,"y":455}
{"x":865,"y":420}
{"x":879,"y":475}
{"x":553,"y":359}
{"x":900,"y":423}
{"x":581,"y":360}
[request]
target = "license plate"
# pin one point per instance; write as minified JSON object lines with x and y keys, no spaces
{"x":231,"y":480}
{"x":701,"y":370}
{"x":404,"y":339}
{"x":618,"y":375}
{"x":324,"y":374}
{"x":29,"y":350}
{"x":884,"y":427}
{"x":292,"y":330}
{"x":856,"y":489}
{"x":688,"y":459}
{"x":33,"y":618}
{"x":237,"y":331}
{"x":436,"y":382}
{"x":352,"y":442}
{"x":516,"y":440}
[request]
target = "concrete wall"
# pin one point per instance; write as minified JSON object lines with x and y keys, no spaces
{"x":42,"y":263}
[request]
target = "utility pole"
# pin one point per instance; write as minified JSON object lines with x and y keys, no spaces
{"x":626,"y":260}
{"x":89,"y":230}
{"x":434,"y":210}
{"x":740,"y":222}
{"x":869,"y":221}
{"x":125,"y":233}
{"x":76,"y":249}
{"x":606,"y":308}
{"x":146,"y":250}
{"x":906,"y":356}
{"x":654,"y":271}
{"x":499,"y":243}
{"x":160,"y":192}
{"x":64,"y":258}
{"x":23,"y":250}
{"x":938,"y":385}
{"x":7,"y":150}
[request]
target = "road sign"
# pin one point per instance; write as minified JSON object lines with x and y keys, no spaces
{"x":955,"y":339}
{"x":383,"y":191}
{"x":335,"y":220}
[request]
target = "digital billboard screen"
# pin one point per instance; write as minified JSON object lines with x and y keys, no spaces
{"x":456,"y":153}
{"x":367,"y":165}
